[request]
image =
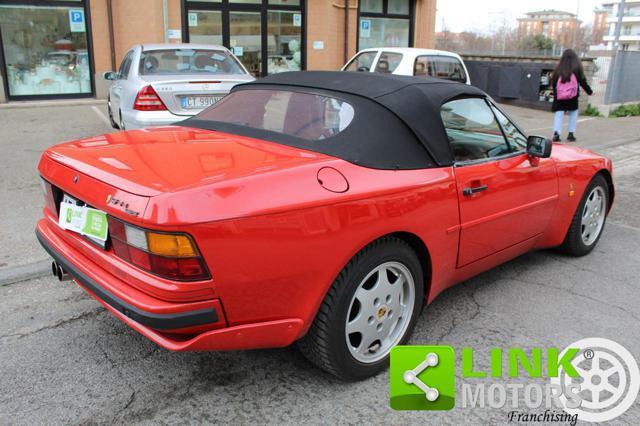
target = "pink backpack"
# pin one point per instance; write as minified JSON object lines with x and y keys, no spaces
{"x":567,"y":90}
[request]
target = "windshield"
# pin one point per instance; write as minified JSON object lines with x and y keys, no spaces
{"x":188,"y":61}
{"x":303,"y":115}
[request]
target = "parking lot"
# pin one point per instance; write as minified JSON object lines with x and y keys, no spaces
{"x":65,"y":360}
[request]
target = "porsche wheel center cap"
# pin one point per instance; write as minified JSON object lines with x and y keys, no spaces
{"x":381,"y":312}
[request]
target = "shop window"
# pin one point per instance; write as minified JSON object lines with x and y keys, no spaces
{"x":284,"y":42}
{"x":285,"y":2}
{"x":45,"y":50}
{"x":265,"y":35}
{"x":205,"y":26}
{"x":385,"y":23}
{"x":372,"y":6}
{"x":398,"y":7}
{"x":246,"y":40}
{"x":385,"y":32}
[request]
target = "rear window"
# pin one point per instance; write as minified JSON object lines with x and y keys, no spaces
{"x":188,"y":61}
{"x":303,"y":115}
{"x":445,"y":67}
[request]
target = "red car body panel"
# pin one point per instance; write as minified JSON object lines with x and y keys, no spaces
{"x":276,"y":224}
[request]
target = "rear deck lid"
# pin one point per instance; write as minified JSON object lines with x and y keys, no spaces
{"x":154,"y":161}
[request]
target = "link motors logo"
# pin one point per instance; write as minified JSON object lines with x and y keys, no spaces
{"x":593,"y":380}
{"x":609,"y":380}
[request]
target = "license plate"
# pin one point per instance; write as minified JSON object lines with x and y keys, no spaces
{"x":199,"y":102}
{"x":84,"y":220}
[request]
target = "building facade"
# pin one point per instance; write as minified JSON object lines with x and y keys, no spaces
{"x":60,"y":48}
{"x":599,"y":26}
{"x":630,"y":29}
{"x":556,"y":25}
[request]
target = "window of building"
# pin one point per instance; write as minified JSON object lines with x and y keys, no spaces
{"x":45,"y":50}
{"x":265,"y":35}
{"x":387,"y":23}
{"x":284,"y":42}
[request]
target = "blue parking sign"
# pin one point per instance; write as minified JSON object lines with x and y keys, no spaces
{"x":76,"y":20}
{"x":365,"y":28}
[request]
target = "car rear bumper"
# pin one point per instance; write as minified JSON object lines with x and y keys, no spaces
{"x":134,"y":119}
{"x":160,"y":321}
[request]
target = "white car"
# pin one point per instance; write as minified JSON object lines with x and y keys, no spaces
{"x":410,"y":61}
{"x":161,"y":84}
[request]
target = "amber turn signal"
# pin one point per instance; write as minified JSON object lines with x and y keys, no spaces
{"x":170,"y":245}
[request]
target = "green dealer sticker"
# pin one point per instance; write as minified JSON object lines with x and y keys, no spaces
{"x":95,"y":224}
{"x":422,"y":378}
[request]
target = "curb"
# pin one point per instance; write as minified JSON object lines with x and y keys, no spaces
{"x":29,"y":271}
{"x":44,"y":104}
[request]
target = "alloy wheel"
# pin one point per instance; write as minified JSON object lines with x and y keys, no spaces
{"x":380,"y":312}
{"x":593,"y":216}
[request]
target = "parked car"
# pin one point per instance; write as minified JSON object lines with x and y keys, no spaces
{"x":320,"y":207}
{"x":161,"y":84}
{"x":410,"y":61}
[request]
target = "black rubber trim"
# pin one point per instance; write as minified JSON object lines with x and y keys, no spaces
{"x":156,"y":321}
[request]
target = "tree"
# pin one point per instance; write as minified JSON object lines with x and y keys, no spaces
{"x":536,"y":42}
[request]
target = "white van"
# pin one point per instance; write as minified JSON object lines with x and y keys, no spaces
{"x":410,"y":61}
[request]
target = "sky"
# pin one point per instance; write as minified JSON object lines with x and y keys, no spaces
{"x":483,"y":16}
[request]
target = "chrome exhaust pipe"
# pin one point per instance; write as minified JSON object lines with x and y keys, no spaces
{"x":60,"y":272}
{"x":54,"y":268}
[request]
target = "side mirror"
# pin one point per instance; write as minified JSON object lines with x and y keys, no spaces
{"x":110,"y":75}
{"x":539,"y":146}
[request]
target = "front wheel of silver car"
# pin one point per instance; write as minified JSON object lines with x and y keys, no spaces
{"x":121,"y":121}
{"x":371,"y":307}
{"x":110,"y":111}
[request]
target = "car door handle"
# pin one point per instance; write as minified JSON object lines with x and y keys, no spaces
{"x":470,"y":191}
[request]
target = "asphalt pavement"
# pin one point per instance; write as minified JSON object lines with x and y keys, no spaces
{"x":64,"y":360}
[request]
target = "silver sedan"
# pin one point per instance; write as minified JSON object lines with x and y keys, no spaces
{"x":162,"y":84}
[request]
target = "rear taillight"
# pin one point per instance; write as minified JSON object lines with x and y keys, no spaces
{"x":148,"y":100}
{"x":49,"y":200}
{"x":170,"y":255}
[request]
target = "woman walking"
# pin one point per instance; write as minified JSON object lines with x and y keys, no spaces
{"x":566,"y":78}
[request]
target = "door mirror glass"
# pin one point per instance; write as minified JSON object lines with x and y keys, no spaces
{"x":110,"y":75}
{"x":539,"y":146}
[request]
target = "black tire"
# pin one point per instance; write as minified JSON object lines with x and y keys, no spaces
{"x":573,"y":244}
{"x":121,"y":126}
{"x":325,"y":343}
{"x":111,"y":120}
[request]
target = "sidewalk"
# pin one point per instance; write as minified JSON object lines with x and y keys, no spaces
{"x":56,"y":103}
{"x":594,"y":133}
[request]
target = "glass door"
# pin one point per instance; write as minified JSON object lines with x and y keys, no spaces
{"x":245,"y":39}
{"x":267,"y":36}
{"x":284,"y":39}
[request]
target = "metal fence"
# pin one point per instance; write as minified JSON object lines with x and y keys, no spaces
{"x":600,"y":77}
{"x":623,"y":82}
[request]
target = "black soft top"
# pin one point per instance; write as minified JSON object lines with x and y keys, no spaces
{"x":397,"y":122}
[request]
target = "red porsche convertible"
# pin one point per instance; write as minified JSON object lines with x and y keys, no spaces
{"x":320,"y":207}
